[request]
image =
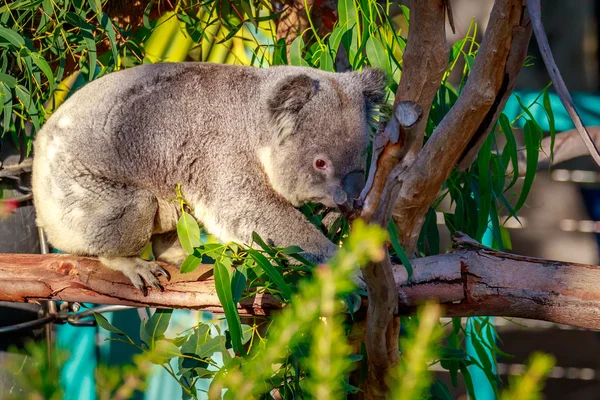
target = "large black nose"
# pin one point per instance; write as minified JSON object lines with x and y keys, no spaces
{"x":353,"y":183}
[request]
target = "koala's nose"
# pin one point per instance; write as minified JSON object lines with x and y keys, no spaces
{"x":353,"y":183}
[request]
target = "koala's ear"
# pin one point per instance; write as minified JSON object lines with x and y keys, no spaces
{"x":373,"y":83}
{"x":288,"y":98}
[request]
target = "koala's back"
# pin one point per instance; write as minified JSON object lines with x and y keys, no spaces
{"x":131,"y":124}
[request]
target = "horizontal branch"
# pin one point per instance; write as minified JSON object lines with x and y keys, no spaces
{"x":468,"y":281}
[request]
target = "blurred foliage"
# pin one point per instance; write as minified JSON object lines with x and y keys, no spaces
{"x":49,"y":48}
{"x":36,"y":371}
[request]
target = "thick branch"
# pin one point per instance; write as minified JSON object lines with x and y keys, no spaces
{"x":32,"y":277}
{"x":383,"y":323}
{"x":516,"y":57}
{"x":473,"y":112}
{"x":424,"y":62}
{"x":469,"y":281}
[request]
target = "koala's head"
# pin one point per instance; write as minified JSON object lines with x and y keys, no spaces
{"x":320,"y":121}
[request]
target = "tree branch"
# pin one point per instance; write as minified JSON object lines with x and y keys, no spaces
{"x":470,"y":117}
{"x":567,"y":146}
{"x":469,"y":281}
{"x":293,"y":21}
{"x":516,"y":57}
{"x":557,"y":80}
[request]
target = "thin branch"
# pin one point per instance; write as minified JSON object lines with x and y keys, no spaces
{"x":10,"y":171}
{"x":567,"y":146}
{"x":293,"y":22}
{"x":557,"y":80}
{"x":469,"y":281}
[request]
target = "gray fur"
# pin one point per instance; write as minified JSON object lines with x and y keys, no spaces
{"x":240,"y":140}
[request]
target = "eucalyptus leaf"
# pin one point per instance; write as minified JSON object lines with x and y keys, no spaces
{"x":188,"y":232}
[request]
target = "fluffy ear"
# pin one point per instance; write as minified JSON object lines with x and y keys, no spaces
{"x":373,"y":83}
{"x":288,"y":98}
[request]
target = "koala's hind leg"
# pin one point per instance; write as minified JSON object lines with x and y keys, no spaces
{"x":166,"y":247}
{"x":112,"y":221}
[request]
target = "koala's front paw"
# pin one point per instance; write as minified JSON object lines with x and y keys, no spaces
{"x":138,"y":271}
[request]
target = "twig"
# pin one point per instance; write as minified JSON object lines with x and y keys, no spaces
{"x":11,"y":171}
{"x":557,"y":80}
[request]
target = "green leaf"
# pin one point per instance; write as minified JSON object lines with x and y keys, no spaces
{"x":12,"y":37}
{"x":485,"y":186}
{"x":29,"y":104}
{"x":44,"y":67}
{"x":510,"y":148}
{"x":223,"y":287}
{"x":188,"y":232}
{"x":439,"y":391}
{"x":200,"y":335}
{"x":468,"y":379}
{"x":551,"y":123}
{"x":272,"y":273}
{"x":109,"y":29}
{"x":532,"y":146}
{"x":8,"y":80}
{"x":238,"y":284}
{"x":348,"y":18}
{"x":233,"y":31}
{"x":103,"y":323}
{"x":162,"y":352}
{"x":200,"y":345}
{"x":326,"y":62}
{"x":258,"y":240}
{"x":429,"y":238}
{"x":190,"y":263}
{"x":157,"y":324}
{"x":147,"y":11}
{"x":378,"y":56}
{"x":296,"y":52}
{"x":335,"y":39}
{"x":291,"y":250}
{"x":95,"y":5}
{"x":393,"y":235}
{"x":6,"y":102}
{"x":87,"y":34}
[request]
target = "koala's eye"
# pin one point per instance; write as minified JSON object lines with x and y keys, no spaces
{"x":320,"y":164}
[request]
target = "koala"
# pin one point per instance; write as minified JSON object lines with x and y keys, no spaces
{"x":247,"y":145}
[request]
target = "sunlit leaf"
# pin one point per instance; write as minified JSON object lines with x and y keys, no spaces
{"x":188,"y":232}
{"x":190,"y":263}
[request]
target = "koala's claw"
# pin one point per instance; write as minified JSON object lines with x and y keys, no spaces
{"x":141,"y":273}
{"x":164,"y":272}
